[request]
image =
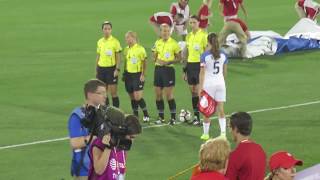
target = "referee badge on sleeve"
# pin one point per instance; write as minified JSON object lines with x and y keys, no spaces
{"x":207,"y":105}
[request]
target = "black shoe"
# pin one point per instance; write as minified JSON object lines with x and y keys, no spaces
{"x":159,"y":121}
{"x":172,"y":122}
{"x":195,"y":122}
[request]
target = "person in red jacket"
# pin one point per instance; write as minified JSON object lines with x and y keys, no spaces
{"x":204,"y":14}
{"x":213,"y":156}
{"x":229,"y":8}
{"x":248,"y":160}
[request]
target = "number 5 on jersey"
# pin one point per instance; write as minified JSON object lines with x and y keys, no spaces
{"x":216,"y":68}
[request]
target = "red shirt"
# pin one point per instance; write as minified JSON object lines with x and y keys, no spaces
{"x":242,"y":24}
{"x":174,"y":9}
{"x":162,"y":18}
{"x":204,"y":11}
{"x":230,"y":7}
{"x":247,"y":162}
{"x":208,"y":176}
{"x":177,"y":8}
{"x":311,"y":12}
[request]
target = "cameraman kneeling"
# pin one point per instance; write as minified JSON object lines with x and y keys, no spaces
{"x":108,"y":154}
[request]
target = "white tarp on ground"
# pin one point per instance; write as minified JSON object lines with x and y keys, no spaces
{"x":305,"y":28}
{"x":312,"y":173}
{"x":267,"y":42}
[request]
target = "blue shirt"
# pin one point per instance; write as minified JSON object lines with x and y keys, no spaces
{"x":77,"y":130}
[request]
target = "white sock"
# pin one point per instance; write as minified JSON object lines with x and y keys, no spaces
{"x":223,"y":124}
{"x":206,"y":127}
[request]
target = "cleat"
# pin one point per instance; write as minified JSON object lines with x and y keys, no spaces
{"x":172,"y":122}
{"x":205,"y":137}
{"x":159,"y":121}
{"x":195,"y":122}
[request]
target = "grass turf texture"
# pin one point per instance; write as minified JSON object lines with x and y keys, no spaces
{"x":47,"y":52}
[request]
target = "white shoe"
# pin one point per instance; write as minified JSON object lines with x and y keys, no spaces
{"x":146,"y":119}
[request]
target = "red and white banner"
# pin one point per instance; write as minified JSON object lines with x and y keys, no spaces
{"x":207,"y":105}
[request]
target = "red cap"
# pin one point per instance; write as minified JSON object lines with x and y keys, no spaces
{"x":283,"y":159}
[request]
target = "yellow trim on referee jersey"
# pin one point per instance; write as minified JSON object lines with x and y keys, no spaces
{"x":107,"y":49}
{"x":166,"y":50}
{"x":135,"y":57}
{"x":196,"y":44}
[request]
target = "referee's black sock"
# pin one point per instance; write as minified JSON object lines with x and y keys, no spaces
{"x":160,"y":107}
{"x":134,"y":106}
{"x":107,"y":101}
{"x":172,"y":107}
{"x":115,"y":102}
{"x":195,"y":101}
{"x":143,"y":106}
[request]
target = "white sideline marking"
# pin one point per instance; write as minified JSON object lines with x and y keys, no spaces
{"x":154,"y":126}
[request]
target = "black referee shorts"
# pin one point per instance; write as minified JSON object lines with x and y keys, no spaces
{"x":132,"y":82}
{"x":105,"y":74}
{"x":164,"y":76}
{"x":193,"y":71}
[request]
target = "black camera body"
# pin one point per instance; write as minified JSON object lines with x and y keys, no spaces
{"x":105,"y":120}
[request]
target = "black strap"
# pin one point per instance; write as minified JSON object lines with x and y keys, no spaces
{"x":83,"y":151}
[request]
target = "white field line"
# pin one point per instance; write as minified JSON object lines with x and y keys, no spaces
{"x":155,"y":126}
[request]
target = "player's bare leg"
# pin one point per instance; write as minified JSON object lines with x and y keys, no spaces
{"x":300,"y":11}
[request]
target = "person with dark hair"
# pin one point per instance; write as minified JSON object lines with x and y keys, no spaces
{"x":108,"y":62}
{"x":134,"y":74}
{"x":213,"y":72}
{"x":166,"y":52}
{"x":107,"y":162}
{"x":196,"y":45}
{"x":282,"y":166}
{"x":248,"y":160}
{"x":95,"y":95}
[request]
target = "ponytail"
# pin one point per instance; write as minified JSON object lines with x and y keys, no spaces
{"x":213,"y":41}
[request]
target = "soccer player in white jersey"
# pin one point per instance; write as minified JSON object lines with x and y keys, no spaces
{"x":213,"y":71}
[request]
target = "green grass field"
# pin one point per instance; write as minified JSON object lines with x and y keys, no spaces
{"x":47,"y":52}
